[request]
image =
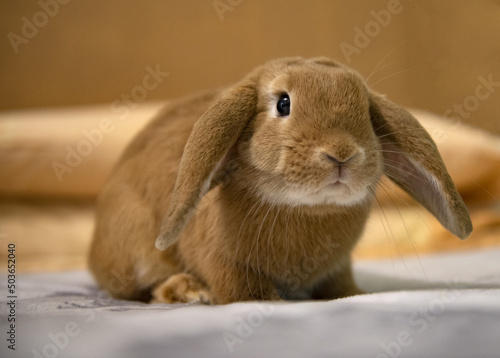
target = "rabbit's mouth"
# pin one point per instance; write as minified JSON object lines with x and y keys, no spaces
{"x":335,"y":184}
{"x":338,"y":181}
{"x":338,"y":193}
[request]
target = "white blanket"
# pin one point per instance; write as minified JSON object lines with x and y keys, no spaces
{"x":442,"y":305}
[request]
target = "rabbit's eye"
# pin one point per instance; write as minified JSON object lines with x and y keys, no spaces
{"x":283,"y":106}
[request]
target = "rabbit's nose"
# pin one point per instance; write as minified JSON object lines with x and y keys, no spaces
{"x":334,"y":160}
{"x":339,"y":160}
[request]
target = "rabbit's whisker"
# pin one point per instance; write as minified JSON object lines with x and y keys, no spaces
{"x":389,"y":76}
{"x":251,"y":247}
{"x":257,"y":249}
{"x":391,"y":202}
{"x":378,"y":67}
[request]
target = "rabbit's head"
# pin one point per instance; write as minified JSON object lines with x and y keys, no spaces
{"x":310,"y":133}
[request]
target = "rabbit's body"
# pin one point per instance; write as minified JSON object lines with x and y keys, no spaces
{"x":281,"y":193}
{"x":132,"y":204}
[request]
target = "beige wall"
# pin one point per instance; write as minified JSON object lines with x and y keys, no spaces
{"x":430,"y":54}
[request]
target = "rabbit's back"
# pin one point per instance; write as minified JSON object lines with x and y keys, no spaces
{"x":133,"y":202}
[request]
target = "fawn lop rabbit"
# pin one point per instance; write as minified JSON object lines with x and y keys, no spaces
{"x":242,"y":187}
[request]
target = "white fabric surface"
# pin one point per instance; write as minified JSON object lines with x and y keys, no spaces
{"x":441,"y":305}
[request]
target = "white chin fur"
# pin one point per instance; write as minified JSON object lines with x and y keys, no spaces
{"x":341,"y":196}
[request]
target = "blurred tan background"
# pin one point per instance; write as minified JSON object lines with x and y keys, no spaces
{"x":428,"y":54}
{"x":67,"y":65}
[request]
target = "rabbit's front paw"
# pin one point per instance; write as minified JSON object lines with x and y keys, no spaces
{"x":181,"y":288}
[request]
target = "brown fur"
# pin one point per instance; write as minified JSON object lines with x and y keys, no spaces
{"x":253,"y":209}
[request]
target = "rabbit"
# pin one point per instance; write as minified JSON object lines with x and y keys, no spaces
{"x":260,"y":191}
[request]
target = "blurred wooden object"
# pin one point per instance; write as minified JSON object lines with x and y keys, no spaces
{"x":64,"y":153}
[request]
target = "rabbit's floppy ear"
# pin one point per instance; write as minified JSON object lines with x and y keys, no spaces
{"x":412,"y":161}
{"x":215,"y":132}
